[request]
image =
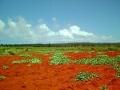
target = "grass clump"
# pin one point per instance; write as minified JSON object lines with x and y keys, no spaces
{"x":11,"y":52}
{"x":85,"y":76}
{"x":96,"y":61}
{"x":2,"y":77}
{"x":25,"y":55}
{"x":59,"y":58}
{"x":4,"y":67}
{"x":116,"y":66}
{"x":27,"y":61}
{"x":104,"y":87}
{"x":103,"y":60}
{"x":3,"y":51}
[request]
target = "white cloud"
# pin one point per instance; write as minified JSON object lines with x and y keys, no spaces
{"x":106,"y":37}
{"x":2,"y":25}
{"x":65,"y":33}
{"x":22,"y":24}
{"x":77,"y":31}
{"x":12,"y":25}
{"x":21,"y":30}
{"x":43,"y":28}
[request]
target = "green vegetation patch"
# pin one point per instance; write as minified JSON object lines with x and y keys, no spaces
{"x":26,"y":61}
{"x":116,"y":66}
{"x":59,"y":58}
{"x":102,"y":60}
{"x":85,"y":76}
{"x":25,"y":55}
{"x":9,"y":50}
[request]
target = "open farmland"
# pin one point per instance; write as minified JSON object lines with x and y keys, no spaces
{"x":60,"y":68}
{"x":59,"y":44}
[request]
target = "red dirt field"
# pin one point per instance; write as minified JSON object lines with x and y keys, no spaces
{"x":112,"y":53}
{"x":79,"y":55}
{"x":53,"y":77}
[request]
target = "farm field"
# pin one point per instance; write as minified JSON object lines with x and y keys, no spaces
{"x":59,"y":44}
{"x":59,"y":68}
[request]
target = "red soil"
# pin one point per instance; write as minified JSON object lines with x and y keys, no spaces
{"x":53,"y":77}
{"x":112,"y":53}
{"x":79,"y":55}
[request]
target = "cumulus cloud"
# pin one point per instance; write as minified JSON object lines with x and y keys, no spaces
{"x":2,"y":25}
{"x":21,"y":31}
{"x":65,"y":33}
{"x":77,"y":31}
{"x":12,"y":25}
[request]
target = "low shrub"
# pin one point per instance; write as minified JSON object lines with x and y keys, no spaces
{"x":104,"y":87}
{"x":25,"y":55}
{"x":85,"y":76}
{"x":2,"y":77}
{"x":59,"y":58}
{"x":102,"y":60}
{"x":26,"y":61}
{"x":4,"y":67}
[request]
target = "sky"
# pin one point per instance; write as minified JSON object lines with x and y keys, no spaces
{"x":59,"y":21}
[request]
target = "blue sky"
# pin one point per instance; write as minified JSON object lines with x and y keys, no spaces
{"x":52,"y":21}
